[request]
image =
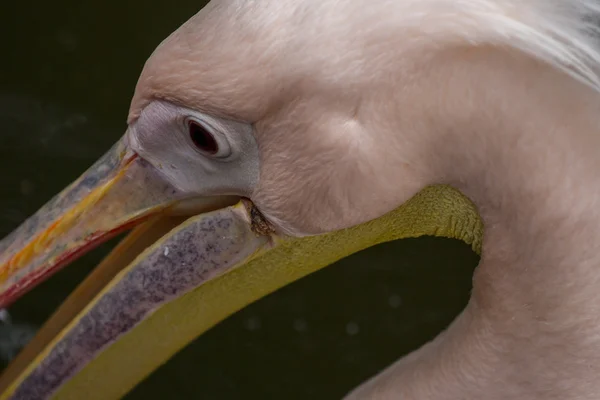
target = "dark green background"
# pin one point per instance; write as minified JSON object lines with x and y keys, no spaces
{"x":67,"y":72}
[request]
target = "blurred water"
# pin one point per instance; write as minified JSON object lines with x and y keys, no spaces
{"x":67,"y":72}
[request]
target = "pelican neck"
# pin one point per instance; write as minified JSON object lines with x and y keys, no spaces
{"x":531,"y":163}
{"x":521,"y":140}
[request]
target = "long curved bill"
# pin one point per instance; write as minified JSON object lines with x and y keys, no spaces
{"x":173,"y":277}
{"x":119,"y":192}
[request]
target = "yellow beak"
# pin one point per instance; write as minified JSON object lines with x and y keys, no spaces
{"x":173,"y":277}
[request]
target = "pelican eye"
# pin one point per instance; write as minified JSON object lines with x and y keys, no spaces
{"x":203,"y":139}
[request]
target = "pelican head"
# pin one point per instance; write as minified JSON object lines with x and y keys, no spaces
{"x":266,"y":138}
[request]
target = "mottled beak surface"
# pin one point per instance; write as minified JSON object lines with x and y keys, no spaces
{"x":176,"y":245}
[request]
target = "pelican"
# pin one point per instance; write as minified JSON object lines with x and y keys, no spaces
{"x":269,"y":138}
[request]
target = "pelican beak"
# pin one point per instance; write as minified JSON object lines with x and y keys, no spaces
{"x":119,"y":191}
{"x":188,"y":264}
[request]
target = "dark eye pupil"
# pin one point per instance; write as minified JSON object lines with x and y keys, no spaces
{"x":202,"y":138}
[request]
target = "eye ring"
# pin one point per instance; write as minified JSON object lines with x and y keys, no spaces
{"x":202,"y":137}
